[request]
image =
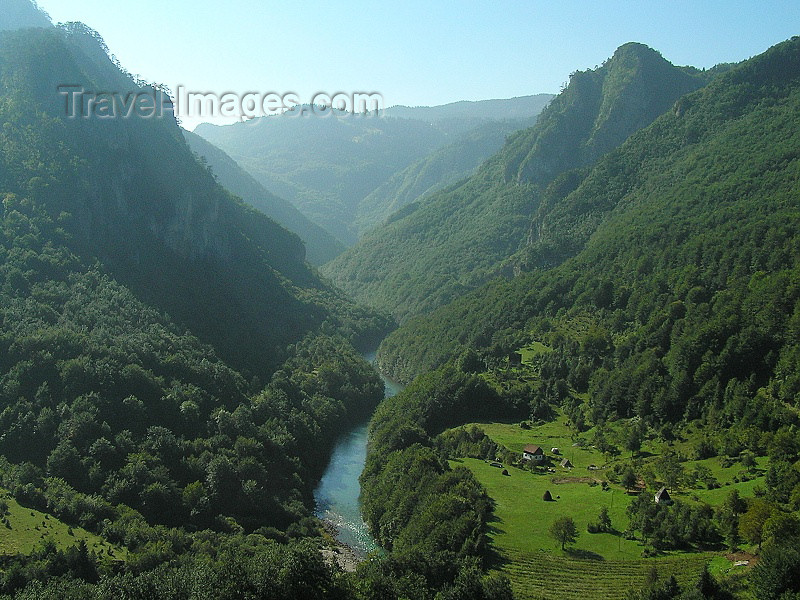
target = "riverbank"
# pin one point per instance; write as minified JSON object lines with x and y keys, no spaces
{"x":338,"y":553}
{"x":338,"y":491}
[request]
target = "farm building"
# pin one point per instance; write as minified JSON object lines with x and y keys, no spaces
{"x":663,"y":497}
{"x":566,"y":463}
{"x":555,"y":450}
{"x":533,"y":452}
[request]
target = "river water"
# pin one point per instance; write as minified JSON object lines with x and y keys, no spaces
{"x":337,"y":494}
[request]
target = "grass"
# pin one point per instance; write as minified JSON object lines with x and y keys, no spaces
{"x":550,"y":435}
{"x":550,"y":577}
{"x":531,"y":351}
{"x":27,"y":528}
{"x":600,"y":565}
{"x":523,"y":518}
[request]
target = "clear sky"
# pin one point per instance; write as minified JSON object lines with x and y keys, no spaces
{"x":415,"y":52}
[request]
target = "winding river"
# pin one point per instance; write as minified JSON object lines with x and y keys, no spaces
{"x":337,"y":494}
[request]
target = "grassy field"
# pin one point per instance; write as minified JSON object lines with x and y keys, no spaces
{"x":546,"y":576}
{"x":523,"y":517}
{"x":28,"y":527}
{"x":600,"y":565}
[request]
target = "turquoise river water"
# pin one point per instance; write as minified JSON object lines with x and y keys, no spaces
{"x":337,"y":494}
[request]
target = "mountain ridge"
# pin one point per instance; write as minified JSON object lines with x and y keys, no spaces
{"x":458,"y":239}
{"x":665,"y":223}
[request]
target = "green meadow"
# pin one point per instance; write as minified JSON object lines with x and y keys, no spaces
{"x":24,"y":528}
{"x":604,"y":564}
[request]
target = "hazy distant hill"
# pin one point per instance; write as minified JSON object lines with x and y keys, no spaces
{"x":320,"y":245}
{"x":522,"y":107}
{"x":327,"y":166}
{"x":433,"y":251}
{"x":18,"y":14}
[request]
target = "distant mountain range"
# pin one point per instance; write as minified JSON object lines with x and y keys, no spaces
{"x":332,"y":167}
{"x":438,"y":170}
{"x":520,"y":108}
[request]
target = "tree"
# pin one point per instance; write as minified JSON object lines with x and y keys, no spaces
{"x":604,"y":520}
{"x":670,"y":469}
{"x":635,"y":437}
{"x":628,"y":479}
{"x":781,"y":526}
{"x":777,"y":574}
{"x":563,"y":530}
{"x":751,"y":523}
{"x":748,"y":460}
{"x":728,"y":516}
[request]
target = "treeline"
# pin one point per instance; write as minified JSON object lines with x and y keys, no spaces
{"x":236,"y":568}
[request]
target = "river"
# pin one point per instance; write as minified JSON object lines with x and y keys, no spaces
{"x":337,"y":494}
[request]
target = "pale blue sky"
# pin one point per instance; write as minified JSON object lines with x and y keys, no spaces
{"x":415,"y":52}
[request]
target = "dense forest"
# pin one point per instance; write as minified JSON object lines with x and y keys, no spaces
{"x":680,"y":305}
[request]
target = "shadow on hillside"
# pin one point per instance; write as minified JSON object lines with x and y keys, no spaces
{"x":494,"y":559}
{"x":585,"y":554}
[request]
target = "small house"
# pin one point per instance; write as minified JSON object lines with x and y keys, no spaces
{"x":566,"y":463}
{"x":514,"y":359}
{"x":547,"y":496}
{"x":663,"y":497}
{"x":532,"y":452}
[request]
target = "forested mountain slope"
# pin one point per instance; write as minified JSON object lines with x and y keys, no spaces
{"x":327,"y":165}
{"x":129,"y":192}
{"x":321,"y":246}
{"x":18,"y":14}
{"x":685,"y":299}
{"x":432,"y":252}
{"x":161,"y":343}
{"x":439,"y":169}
